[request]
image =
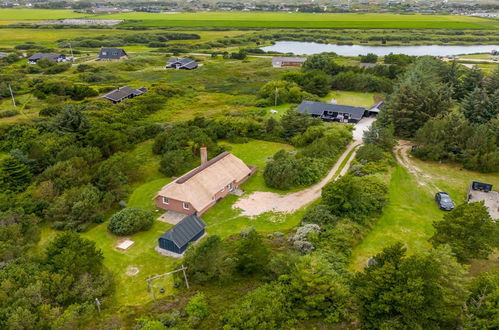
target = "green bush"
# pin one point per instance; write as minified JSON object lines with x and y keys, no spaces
{"x":130,"y":220}
{"x":8,"y":113}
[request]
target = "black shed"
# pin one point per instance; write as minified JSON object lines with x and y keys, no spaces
{"x":177,"y":239}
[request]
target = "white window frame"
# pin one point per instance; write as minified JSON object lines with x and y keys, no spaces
{"x":230,"y":186}
{"x":185,"y":206}
{"x":223,"y":189}
{"x":165,"y":200}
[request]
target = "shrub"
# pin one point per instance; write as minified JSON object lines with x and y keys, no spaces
{"x":130,"y":220}
{"x":197,"y":308}
{"x":320,"y":215}
{"x":355,"y":197}
{"x":8,"y":113}
{"x":370,"y":153}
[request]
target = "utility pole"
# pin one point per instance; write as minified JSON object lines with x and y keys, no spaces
{"x":276,"y":93}
{"x":12,"y":95}
{"x":97,"y":303}
{"x":71,"y":50}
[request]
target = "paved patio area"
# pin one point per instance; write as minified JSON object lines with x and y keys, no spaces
{"x":171,"y":217}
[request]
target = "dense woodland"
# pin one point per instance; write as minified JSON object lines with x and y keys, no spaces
{"x":67,"y":169}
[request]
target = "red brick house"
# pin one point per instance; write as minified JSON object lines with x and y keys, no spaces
{"x":201,"y":188}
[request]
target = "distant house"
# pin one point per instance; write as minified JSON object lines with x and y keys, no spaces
{"x":201,"y":188}
{"x":100,"y":10}
{"x":188,"y":230}
{"x":121,"y":93}
{"x":333,"y":112}
{"x":279,"y":61}
{"x":372,"y":65}
{"x":112,"y":54}
{"x":51,"y":57}
{"x":181,"y":63}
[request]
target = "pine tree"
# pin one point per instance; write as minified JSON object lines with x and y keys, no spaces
{"x":479,"y":107}
{"x":14,"y":175}
{"x":418,"y":97}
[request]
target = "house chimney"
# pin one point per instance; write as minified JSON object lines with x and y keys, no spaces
{"x":204,"y":154}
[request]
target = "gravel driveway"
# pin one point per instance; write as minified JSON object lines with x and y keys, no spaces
{"x":261,"y":202}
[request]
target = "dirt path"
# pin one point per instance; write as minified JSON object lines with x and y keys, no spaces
{"x":402,"y":154}
{"x":261,"y":202}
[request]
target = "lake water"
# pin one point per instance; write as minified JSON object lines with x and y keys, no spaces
{"x":310,"y":48}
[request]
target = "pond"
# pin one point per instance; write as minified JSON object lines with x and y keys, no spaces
{"x":309,"y":48}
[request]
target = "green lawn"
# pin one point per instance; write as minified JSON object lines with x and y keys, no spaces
{"x":358,"y":99}
{"x":407,"y":218}
{"x":303,"y":20}
{"x":256,"y":152}
{"x":411,"y":209}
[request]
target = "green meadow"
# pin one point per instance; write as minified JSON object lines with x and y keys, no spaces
{"x":411,"y":209}
{"x":303,"y":20}
{"x":262,"y":20}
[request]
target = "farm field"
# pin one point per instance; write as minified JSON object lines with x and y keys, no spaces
{"x":303,"y":20}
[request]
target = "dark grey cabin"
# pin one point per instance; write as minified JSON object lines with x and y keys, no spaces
{"x":332,"y":112}
{"x":182,"y":63}
{"x":121,"y":93}
{"x":111,"y":54}
{"x":51,"y":57}
{"x":176,"y":239}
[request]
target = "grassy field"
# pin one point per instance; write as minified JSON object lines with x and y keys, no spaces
{"x":411,"y":209}
{"x":261,"y":20}
{"x":304,"y":20}
{"x":47,"y":37}
{"x":36,"y":14}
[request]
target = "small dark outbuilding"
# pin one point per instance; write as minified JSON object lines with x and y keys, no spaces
{"x":189,"y":229}
{"x":112,"y":54}
{"x":51,"y":57}
{"x":121,"y":93}
{"x":181,"y":63}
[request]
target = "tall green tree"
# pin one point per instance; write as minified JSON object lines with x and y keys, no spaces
{"x":14,"y":175}
{"x":355,"y":197}
{"x":417,"y":292}
{"x":482,"y":306}
{"x":252,"y":253}
{"x":207,"y":262}
{"x":323,"y":62}
{"x":479,"y":107}
{"x":418,"y":97}
{"x":318,"y":291}
{"x":468,"y":230}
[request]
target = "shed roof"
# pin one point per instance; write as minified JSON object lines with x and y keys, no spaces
{"x":121,"y":93}
{"x":185,"y":62}
{"x":200,"y":185}
{"x":281,"y":59}
{"x":318,"y":108}
{"x":112,"y":53}
{"x":184,"y":231}
{"x":39,"y":56}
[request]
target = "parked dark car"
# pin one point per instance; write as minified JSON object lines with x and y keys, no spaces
{"x":444,"y":201}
